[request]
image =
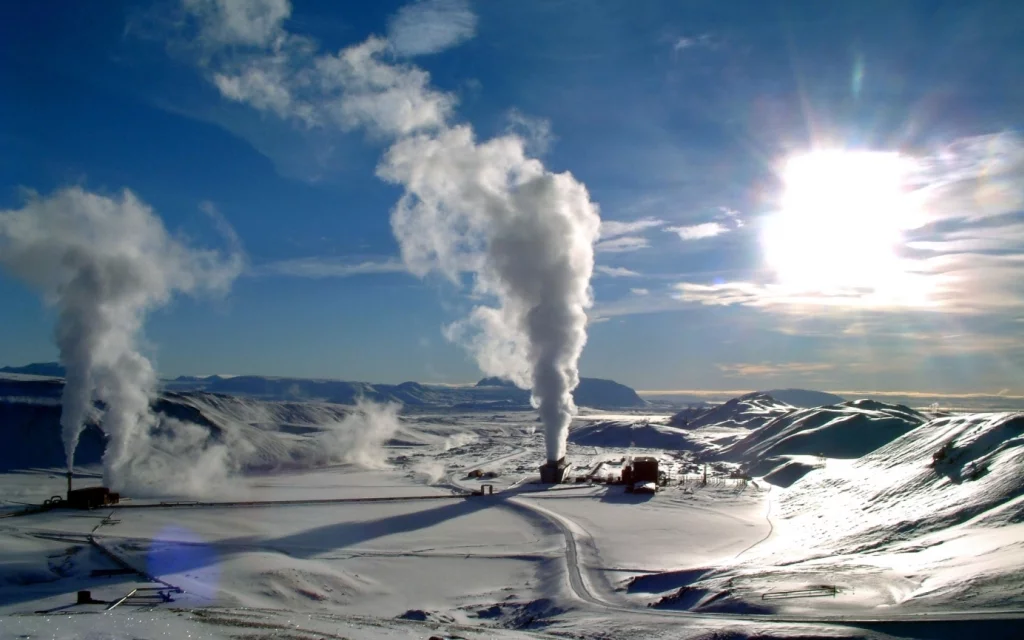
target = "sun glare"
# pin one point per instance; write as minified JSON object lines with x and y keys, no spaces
{"x":841,"y":220}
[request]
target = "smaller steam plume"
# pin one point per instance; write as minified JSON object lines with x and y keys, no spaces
{"x":104,"y":262}
{"x":429,"y":471}
{"x":360,"y":437}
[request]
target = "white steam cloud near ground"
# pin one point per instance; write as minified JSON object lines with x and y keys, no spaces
{"x":525,"y":234}
{"x":359,"y":438}
{"x":103,"y":263}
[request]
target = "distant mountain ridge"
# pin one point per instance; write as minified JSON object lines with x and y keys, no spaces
{"x":49,"y":369}
{"x":805,"y":398}
{"x":488,"y":394}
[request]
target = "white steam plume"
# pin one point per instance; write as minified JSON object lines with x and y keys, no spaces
{"x":103,"y":263}
{"x":526,"y":233}
{"x":486,"y":208}
{"x":360,"y":437}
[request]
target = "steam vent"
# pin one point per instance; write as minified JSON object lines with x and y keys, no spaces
{"x":554,"y":472}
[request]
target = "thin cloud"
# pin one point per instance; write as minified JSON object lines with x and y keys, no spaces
{"x":320,"y":267}
{"x":249,"y":23}
{"x":616,"y":228}
{"x":616,"y":272}
{"x":431,"y":26}
{"x":691,"y":42}
{"x":251,"y":59}
{"x":639,"y":292}
{"x":622,"y":244}
{"x":791,"y":299}
{"x":699,"y":231}
{"x":769,"y":369}
{"x":536,"y":132}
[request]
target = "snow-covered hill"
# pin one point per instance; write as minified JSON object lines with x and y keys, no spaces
{"x":261,"y":435}
{"x":932,"y":520}
{"x":621,"y":434}
{"x":748,"y":411}
{"x":846,"y":430}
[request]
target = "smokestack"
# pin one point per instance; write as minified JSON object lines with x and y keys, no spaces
{"x":69,"y":484}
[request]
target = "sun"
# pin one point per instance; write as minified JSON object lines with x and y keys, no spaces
{"x":841,"y":222}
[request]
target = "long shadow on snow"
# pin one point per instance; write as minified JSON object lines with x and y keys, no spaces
{"x":618,"y":495}
{"x":164,"y":557}
{"x":345,"y":534}
{"x":25,"y":579}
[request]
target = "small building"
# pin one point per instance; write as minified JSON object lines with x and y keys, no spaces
{"x":554,"y":472}
{"x":91,"y":498}
{"x":641,"y":475}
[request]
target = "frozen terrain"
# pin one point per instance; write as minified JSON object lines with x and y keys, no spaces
{"x":905,"y":518}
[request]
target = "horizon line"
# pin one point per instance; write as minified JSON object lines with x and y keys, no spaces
{"x":908,"y":394}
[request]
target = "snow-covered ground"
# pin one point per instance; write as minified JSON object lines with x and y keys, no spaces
{"x":897,"y":532}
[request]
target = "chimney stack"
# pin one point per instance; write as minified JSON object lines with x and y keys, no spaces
{"x":69,"y":484}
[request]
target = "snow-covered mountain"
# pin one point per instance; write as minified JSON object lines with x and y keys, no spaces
{"x":845,"y":430}
{"x":749,"y":411}
{"x":487,"y":394}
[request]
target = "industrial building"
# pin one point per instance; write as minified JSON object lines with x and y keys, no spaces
{"x":90,"y":497}
{"x":640,"y":475}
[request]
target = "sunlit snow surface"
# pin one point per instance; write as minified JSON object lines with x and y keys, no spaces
{"x":895,"y":531}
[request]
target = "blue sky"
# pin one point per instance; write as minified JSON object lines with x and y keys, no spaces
{"x":679,"y":117}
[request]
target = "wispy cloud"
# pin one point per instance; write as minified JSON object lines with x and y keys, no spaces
{"x":724,"y":221}
{"x":250,"y":58}
{"x":639,"y":291}
{"x":320,"y":267}
{"x":615,"y":228}
{"x":615,"y":272}
{"x":250,"y":23}
{"x":699,"y":231}
{"x":690,"y":42}
{"x":536,"y":132}
{"x":770,"y":369}
{"x":431,"y":26}
{"x":622,"y":244}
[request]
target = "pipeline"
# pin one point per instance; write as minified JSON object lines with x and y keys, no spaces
{"x":276,"y":503}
